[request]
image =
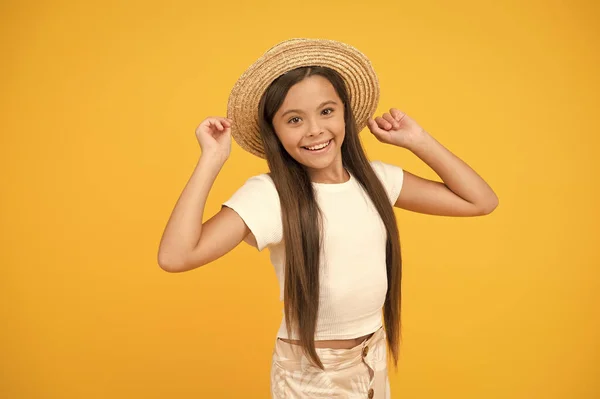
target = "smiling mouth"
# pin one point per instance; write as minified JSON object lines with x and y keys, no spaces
{"x":318,"y":147}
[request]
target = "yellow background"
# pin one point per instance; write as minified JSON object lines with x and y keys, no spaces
{"x":99,"y":103}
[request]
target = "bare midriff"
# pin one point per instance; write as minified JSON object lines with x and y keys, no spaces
{"x":333,"y":344}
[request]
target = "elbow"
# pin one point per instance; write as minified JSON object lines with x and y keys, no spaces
{"x":169,"y":265}
{"x":489,"y":206}
{"x":176,"y":264}
{"x":169,"y":262}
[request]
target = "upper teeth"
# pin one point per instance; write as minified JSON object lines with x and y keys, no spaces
{"x":318,"y":147}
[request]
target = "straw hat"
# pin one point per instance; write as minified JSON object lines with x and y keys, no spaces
{"x":354,"y":67}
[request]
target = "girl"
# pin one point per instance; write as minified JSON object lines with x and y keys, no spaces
{"x":324,"y":211}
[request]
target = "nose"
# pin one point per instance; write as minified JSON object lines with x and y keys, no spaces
{"x":314,"y":128}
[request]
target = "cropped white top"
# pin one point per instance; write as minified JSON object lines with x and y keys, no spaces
{"x":353,"y":279}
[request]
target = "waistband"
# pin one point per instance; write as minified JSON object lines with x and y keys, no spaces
{"x":333,"y":359}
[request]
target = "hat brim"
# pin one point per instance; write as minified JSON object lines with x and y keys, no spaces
{"x":352,"y":65}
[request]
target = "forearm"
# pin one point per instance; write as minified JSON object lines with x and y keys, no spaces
{"x":459,"y":177}
{"x":184,"y":227}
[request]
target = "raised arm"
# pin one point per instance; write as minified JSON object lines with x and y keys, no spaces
{"x":187,"y":243}
{"x":462,"y":191}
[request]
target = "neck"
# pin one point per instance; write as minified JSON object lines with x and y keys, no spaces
{"x":333,"y":174}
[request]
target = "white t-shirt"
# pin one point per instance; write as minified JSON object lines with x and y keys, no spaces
{"x":353,"y":278}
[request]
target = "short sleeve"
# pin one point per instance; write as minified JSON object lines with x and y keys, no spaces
{"x":391,"y":177}
{"x":257,"y":203}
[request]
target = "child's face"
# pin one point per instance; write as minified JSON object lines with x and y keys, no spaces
{"x":312,"y":114}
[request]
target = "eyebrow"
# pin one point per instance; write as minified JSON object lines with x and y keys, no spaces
{"x":298,"y":111}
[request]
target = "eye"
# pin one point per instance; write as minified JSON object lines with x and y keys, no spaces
{"x":294,"y":120}
{"x":327,"y":111}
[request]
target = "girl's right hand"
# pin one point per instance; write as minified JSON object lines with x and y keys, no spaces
{"x":214,"y":137}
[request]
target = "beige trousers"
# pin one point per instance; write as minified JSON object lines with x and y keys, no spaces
{"x":359,"y":372}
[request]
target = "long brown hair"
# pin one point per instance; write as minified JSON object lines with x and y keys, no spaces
{"x":301,"y":216}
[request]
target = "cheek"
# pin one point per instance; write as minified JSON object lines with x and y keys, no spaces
{"x":339,"y":128}
{"x":289,"y":139}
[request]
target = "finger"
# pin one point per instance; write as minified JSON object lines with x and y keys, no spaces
{"x":217,"y":124}
{"x":375,"y":129}
{"x":382,"y":123}
{"x":391,"y":120}
{"x":397,"y":114}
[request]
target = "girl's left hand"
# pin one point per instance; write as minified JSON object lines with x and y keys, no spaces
{"x":396,"y":128}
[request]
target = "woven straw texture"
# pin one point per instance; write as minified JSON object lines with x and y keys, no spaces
{"x":354,"y":67}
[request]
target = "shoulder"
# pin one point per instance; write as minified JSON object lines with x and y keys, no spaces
{"x":383,"y":169}
{"x":391,"y":176}
{"x":378,"y":167}
{"x":387,"y":173}
{"x":257,"y":203}
{"x":260,"y":183}
{"x":258,"y":190}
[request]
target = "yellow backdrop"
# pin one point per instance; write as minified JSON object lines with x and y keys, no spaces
{"x":99,"y":103}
